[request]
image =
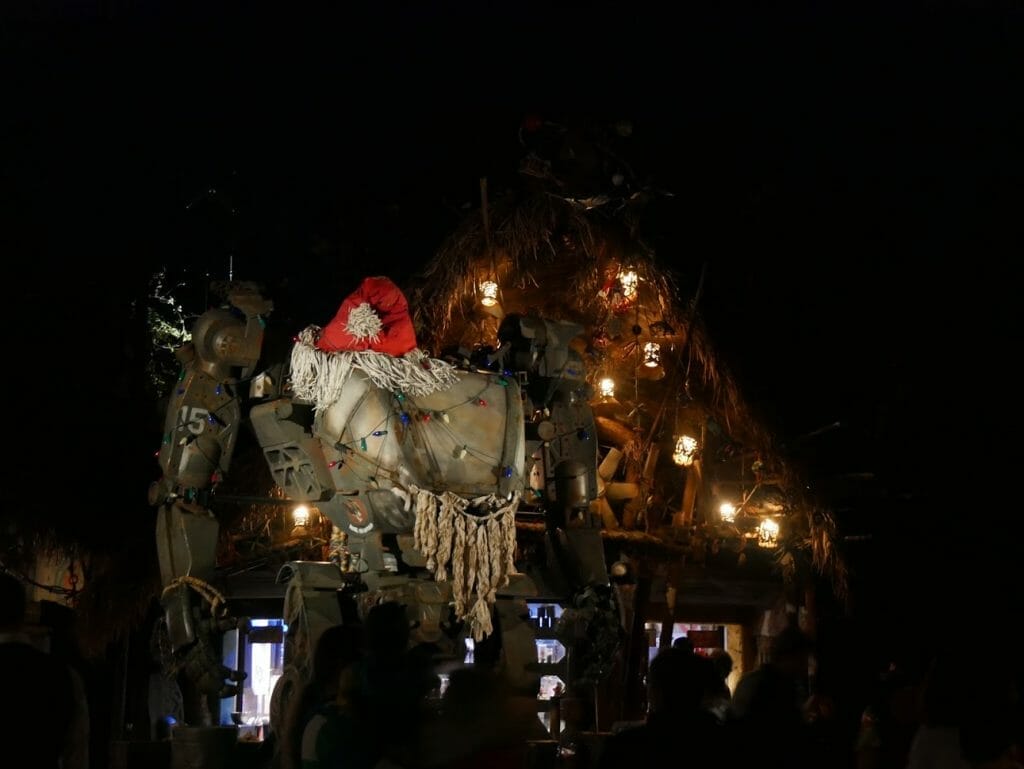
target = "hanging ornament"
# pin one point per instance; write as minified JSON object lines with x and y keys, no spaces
{"x":685,"y":450}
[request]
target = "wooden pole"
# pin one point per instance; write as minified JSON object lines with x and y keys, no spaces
{"x":694,"y":481}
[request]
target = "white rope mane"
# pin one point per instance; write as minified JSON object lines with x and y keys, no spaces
{"x":319,"y":377}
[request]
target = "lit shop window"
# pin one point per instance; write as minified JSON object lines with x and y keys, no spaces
{"x":258,"y":651}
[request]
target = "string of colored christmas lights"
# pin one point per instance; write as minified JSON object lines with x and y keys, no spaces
{"x":407,"y":404}
{"x":376,"y":467}
{"x":462,"y":449}
{"x":212,"y":417}
{"x":379,"y":430}
{"x":402,"y":398}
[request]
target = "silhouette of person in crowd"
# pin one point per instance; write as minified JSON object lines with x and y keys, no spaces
{"x":677,"y":723}
{"x":393,"y":683}
{"x":767,"y":708}
{"x":338,"y":647}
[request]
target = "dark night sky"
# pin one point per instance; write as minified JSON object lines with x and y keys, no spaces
{"x":850,"y":173}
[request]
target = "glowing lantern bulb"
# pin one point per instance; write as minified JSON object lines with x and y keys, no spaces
{"x":607,"y":387}
{"x":300,"y":515}
{"x":489,"y":293}
{"x":685,"y":450}
{"x":652,"y":354}
{"x":768,"y":533}
{"x":728,"y":512}
{"x":628,"y":281}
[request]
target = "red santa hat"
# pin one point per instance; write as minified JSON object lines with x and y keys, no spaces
{"x":373,"y":317}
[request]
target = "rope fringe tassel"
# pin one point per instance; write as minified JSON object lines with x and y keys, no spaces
{"x":479,"y":549}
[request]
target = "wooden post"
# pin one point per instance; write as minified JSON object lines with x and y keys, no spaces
{"x":636,"y":657}
{"x":750,"y":642}
{"x":694,"y":480}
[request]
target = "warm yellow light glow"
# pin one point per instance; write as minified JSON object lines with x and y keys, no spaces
{"x":768,"y":533}
{"x":685,"y":451}
{"x":652,"y":354}
{"x":300,"y":515}
{"x":489,"y":293}
{"x":607,"y":387}
{"x":628,"y":281}
{"x":728,"y":512}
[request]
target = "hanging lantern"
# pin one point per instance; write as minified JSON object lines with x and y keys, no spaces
{"x":629,"y":281}
{"x":652,"y":354}
{"x":728,"y":512}
{"x":300,"y":515}
{"x":606,"y":387}
{"x":768,"y":533}
{"x":685,"y":451}
{"x":488,"y":293}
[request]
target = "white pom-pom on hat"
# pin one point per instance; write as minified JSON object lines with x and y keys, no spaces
{"x":364,"y":323}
